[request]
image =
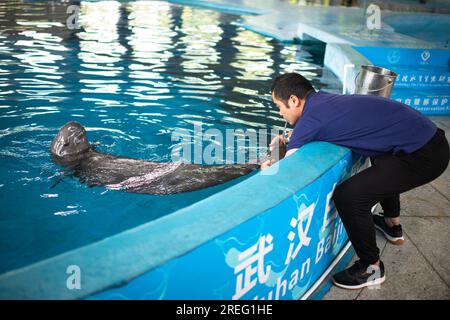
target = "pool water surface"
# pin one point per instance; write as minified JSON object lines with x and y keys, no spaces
{"x":131,"y":74}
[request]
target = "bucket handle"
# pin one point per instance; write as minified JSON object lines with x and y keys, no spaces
{"x":357,"y":75}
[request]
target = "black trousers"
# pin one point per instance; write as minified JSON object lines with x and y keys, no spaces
{"x":382,"y":183}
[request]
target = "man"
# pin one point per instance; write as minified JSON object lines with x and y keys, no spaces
{"x":407,"y":150}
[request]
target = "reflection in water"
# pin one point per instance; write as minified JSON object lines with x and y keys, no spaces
{"x":151,"y":40}
{"x":133,"y":73}
{"x":100,"y":50}
{"x":202,"y":33}
{"x":144,"y":54}
{"x":253,"y":59}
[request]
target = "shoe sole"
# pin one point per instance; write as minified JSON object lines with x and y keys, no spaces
{"x":367,"y":284}
{"x":397,"y":241}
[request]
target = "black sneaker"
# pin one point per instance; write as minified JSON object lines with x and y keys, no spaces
{"x":394,"y":235}
{"x":360,"y":275}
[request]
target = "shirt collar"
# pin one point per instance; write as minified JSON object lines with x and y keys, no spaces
{"x":308,"y":97}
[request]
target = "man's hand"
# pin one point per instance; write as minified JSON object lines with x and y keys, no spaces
{"x":277,"y":148}
{"x":278,"y":140}
{"x":277,"y":144}
{"x":266,"y":164}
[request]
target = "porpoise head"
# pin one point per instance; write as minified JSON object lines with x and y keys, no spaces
{"x":70,"y":143}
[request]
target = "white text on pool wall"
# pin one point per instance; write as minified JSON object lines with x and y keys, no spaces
{"x":252,"y":269}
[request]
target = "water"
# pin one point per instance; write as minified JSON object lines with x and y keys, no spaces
{"x":131,"y":74}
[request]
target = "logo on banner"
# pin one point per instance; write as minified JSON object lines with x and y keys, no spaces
{"x":425,"y":55}
{"x":393,"y":56}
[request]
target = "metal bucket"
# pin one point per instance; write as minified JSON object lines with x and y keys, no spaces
{"x":375,"y":81}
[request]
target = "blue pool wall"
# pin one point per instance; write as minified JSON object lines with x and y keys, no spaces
{"x":278,"y":246}
{"x":195,"y":252}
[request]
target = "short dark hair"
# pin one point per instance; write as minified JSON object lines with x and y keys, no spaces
{"x":291,"y":84}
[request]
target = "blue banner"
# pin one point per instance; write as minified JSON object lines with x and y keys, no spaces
{"x":425,"y":58}
{"x":423,"y":80}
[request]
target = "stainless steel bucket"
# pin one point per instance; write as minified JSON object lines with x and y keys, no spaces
{"x":375,"y":81}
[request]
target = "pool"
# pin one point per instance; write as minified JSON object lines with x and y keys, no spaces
{"x":132,"y":73}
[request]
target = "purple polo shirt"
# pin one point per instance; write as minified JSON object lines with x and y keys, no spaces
{"x":368,"y":125}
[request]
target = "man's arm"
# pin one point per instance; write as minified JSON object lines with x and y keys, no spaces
{"x":291,"y":151}
{"x":268,"y":163}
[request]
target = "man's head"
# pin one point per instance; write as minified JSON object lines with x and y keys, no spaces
{"x":289,"y":92}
